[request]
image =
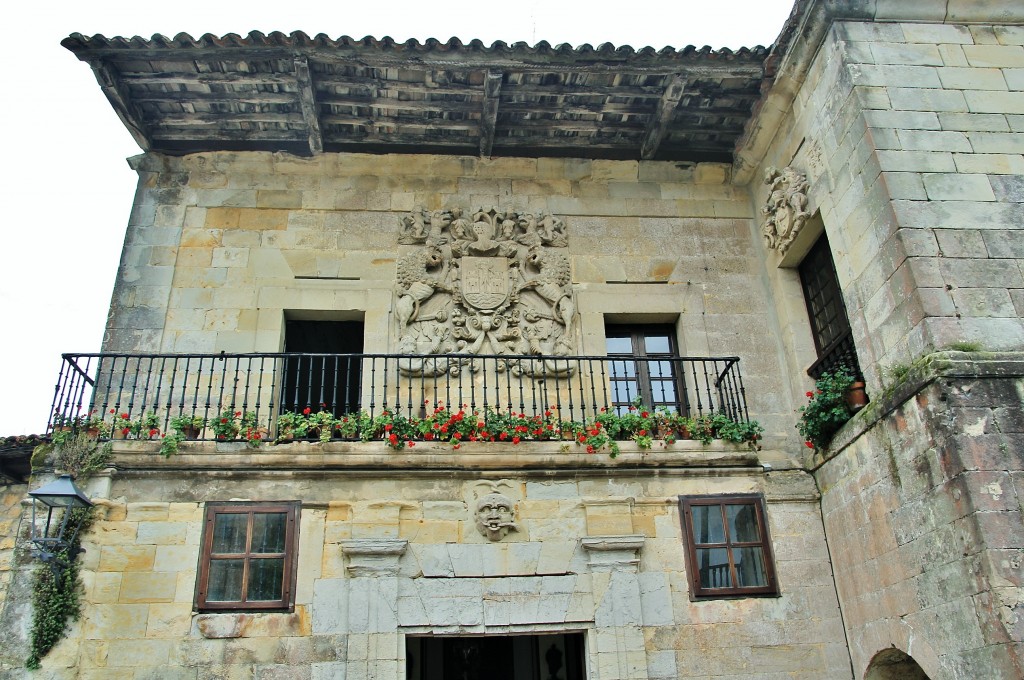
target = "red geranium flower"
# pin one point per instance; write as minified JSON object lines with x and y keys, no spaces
{"x":305,"y":411}
{"x":515,"y":440}
{"x":810,"y":394}
{"x":809,"y":445}
{"x":411,"y":444}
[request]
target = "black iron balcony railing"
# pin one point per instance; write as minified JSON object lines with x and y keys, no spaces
{"x":126,"y":388}
{"x":841,"y":352}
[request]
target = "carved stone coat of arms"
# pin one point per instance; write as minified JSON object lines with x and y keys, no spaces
{"x":785,"y":209}
{"x":490,"y":282}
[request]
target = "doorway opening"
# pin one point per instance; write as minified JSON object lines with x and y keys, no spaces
{"x":496,"y":657}
{"x":322,"y":367}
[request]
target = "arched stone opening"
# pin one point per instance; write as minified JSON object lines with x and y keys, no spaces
{"x":892,"y":664}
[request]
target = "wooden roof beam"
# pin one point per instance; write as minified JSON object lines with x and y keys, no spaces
{"x":307,"y":98}
{"x":121,"y":102}
{"x":660,"y":121}
{"x":489,"y":115}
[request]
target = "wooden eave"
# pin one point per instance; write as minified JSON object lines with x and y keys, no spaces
{"x":305,"y":95}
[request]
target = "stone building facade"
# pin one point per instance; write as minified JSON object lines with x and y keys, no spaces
{"x":894,"y":130}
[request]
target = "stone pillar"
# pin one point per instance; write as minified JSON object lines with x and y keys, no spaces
{"x":618,"y":644}
{"x":373,"y":641}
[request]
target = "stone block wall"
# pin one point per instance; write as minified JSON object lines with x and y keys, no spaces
{"x":397,"y":553}
{"x":12,"y":600}
{"x":922,"y":504}
{"x":912,"y":136}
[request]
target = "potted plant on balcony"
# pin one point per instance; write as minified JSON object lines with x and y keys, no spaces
{"x":291,"y":425}
{"x":320,"y":424}
{"x":188,"y":426}
{"x":182,"y":428}
{"x":226,"y":425}
{"x":146,"y":426}
{"x":827,"y":408}
{"x":121,"y":426}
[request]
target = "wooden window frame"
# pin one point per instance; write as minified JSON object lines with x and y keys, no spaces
{"x":637,"y":333}
{"x":756,"y":501}
{"x":292,"y":510}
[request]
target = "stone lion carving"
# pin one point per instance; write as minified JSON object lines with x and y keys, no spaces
{"x":486,"y":282}
{"x":495,"y":516}
{"x":785,"y":210}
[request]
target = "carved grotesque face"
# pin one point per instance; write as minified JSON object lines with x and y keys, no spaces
{"x":495,"y":516}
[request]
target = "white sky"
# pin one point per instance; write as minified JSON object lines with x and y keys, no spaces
{"x":67,"y":191}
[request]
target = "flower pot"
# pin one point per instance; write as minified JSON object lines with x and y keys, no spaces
{"x":119,"y":433}
{"x":190,"y":432}
{"x":93,"y":433}
{"x":856,"y":396}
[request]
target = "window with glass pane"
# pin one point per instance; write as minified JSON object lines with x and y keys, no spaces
{"x":248,"y":557}
{"x":728,"y":551}
{"x":647,"y":370}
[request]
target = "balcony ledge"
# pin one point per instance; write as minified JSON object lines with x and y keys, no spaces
{"x":476,"y":456}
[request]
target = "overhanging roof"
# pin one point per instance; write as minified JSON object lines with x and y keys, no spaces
{"x":307,"y":95}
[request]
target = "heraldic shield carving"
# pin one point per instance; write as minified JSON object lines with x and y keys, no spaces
{"x":785,"y":209}
{"x":491,"y":282}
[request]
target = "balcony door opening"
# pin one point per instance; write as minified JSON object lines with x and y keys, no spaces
{"x":644,"y":367}
{"x":322,"y":368}
{"x":496,"y":657}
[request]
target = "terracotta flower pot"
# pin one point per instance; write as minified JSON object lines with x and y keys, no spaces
{"x":856,"y":396}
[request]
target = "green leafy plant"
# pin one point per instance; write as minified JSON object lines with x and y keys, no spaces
{"x":227,"y":425}
{"x":81,"y":455}
{"x":182,"y":428}
{"x":185,"y":424}
{"x":55,"y":597}
{"x":322,"y":422}
{"x":252,"y":432}
{"x":291,"y":425}
{"x":826,"y":409}
{"x":146,"y":426}
{"x":965,"y":346}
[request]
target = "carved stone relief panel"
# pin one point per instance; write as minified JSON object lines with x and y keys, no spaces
{"x":488,"y":282}
{"x":785,"y":209}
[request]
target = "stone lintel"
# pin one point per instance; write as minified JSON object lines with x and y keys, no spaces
{"x":374,"y":556}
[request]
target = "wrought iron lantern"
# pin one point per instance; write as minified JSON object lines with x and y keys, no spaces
{"x":53,"y":540}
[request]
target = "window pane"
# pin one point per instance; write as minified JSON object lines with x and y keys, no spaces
{"x":229,"y":532}
{"x":623,"y":392}
{"x":660,"y":369}
{"x":713,"y":566}
{"x":623,"y":368}
{"x":750,"y":567}
{"x":225,"y":584}
{"x":268,"y":529}
{"x":266,"y":577}
{"x":663,"y":390}
{"x":707,"y":524}
{"x":656,"y":344}
{"x":743,"y":523}
{"x":619,"y":345}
